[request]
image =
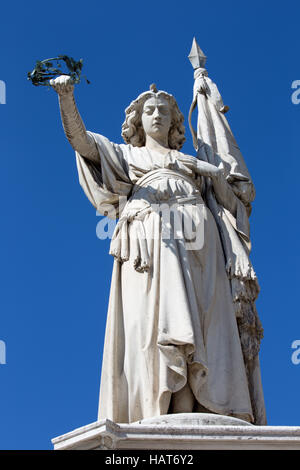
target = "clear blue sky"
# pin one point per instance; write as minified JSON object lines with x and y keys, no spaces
{"x":55,"y":273}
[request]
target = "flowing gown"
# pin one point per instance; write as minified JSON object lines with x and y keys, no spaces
{"x":171,"y":318}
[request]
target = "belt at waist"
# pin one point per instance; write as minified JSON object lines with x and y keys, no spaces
{"x":119,"y":246}
{"x":159,"y":174}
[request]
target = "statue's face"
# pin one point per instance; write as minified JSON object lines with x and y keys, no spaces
{"x":156,"y":118}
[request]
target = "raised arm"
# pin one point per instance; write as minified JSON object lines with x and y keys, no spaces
{"x":73,"y":125}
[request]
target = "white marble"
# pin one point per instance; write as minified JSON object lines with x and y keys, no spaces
{"x":182,"y":332}
{"x":181,"y":432}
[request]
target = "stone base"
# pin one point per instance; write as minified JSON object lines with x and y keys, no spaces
{"x":186,"y":431}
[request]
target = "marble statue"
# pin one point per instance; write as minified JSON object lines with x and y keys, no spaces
{"x":182,"y":332}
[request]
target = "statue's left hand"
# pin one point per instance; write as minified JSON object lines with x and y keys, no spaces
{"x":188,"y":161}
{"x":207,"y":169}
{"x":201,"y":167}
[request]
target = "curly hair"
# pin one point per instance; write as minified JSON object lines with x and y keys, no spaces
{"x":132,"y":128}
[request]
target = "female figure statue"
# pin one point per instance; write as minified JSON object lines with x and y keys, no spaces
{"x":172,"y":343}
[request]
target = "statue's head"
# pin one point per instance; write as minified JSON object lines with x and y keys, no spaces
{"x":154,"y":113}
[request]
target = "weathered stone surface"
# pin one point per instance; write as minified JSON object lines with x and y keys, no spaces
{"x":182,"y":432}
{"x":182,"y":331}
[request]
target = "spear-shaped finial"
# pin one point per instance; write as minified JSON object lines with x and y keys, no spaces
{"x":197,"y":56}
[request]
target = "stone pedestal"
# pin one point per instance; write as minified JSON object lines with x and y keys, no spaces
{"x":193,"y":431}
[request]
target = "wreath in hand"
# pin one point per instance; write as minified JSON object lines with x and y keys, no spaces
{"x":45,"y":70}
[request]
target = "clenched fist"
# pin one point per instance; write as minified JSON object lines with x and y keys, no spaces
{"x":63,"y":85}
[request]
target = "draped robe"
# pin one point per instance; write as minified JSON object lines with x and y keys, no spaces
{"x":171,"y":317}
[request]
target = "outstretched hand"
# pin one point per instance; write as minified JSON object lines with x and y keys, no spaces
{"x":63,"y":85}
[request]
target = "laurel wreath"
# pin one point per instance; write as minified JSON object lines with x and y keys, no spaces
{"x":45,"y":70}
